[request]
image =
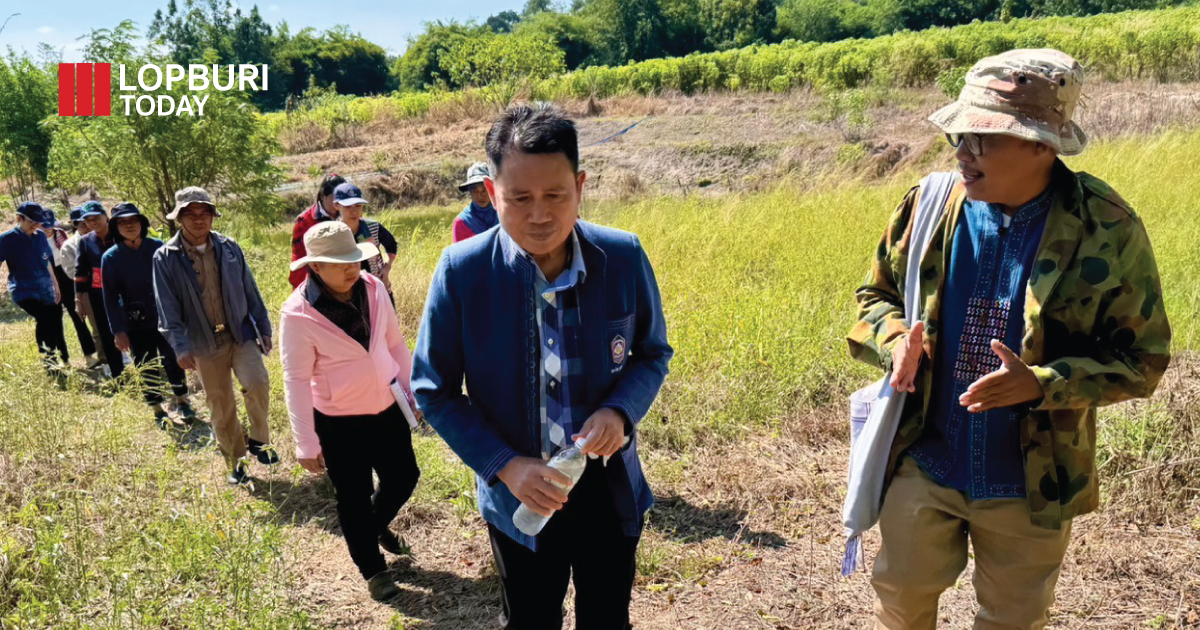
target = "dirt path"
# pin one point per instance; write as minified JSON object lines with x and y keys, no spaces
{"x":736,"y":542}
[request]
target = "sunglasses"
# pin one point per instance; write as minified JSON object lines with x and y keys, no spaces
{"x":973,"y":141}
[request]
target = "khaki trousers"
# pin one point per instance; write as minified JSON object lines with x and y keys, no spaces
{"x":925,"y":528}
{"x":91,"y":322}
{"x":246,"y":362}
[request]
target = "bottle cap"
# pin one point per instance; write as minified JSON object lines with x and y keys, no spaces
{"x":581,"y":442}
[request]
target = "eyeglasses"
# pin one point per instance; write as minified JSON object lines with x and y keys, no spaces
{"x":973,"y":141}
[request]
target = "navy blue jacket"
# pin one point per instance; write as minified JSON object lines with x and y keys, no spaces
{"x":88,"y":271}
{"x":480,"y":325}
{"x":129,"y":286}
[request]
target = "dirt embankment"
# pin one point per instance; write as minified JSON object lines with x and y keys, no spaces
{"x":709,"y":144}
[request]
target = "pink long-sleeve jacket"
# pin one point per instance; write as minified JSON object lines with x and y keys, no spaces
{"x":324,"y":368}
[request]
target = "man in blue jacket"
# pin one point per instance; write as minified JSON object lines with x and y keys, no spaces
{"x":556,"y":325}
{"x":127,"y":271}
{"x":211,"y":312}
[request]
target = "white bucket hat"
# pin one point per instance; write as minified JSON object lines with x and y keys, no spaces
{"x":1030,"y":94}
{"x":333,"y":242}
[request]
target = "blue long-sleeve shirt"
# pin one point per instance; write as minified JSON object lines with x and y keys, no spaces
{"x":991,"y":261}
{"x":128,"y":276}
{"x":480,"y":325}
{"x":29,"y":260}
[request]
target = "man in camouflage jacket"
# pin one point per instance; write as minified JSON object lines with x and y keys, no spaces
{"x":995,"y":444}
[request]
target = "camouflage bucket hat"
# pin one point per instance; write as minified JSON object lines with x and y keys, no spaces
{"x":1030,"y":94}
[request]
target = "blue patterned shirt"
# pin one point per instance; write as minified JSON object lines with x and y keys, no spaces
{"x":990,"y":264}
{"x":561,"y":352}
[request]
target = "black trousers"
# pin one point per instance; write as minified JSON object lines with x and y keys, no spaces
{"x":116,"y":363}
{"x":67,"y":286}
{"x":147,"y":345}
{"x":48,"y":328}
{"x":353,"y":447}
{"x":584,"y":538}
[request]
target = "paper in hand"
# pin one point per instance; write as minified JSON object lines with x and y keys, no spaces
{"x":402,"y":400}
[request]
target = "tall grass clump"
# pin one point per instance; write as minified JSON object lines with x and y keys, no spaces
{"x":759,"y":289}
{"x":101,"y":527}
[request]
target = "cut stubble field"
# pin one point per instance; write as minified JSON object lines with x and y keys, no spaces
{"x":107,"y":523}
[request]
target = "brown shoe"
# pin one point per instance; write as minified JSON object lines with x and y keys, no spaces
{"x":382,"y":587}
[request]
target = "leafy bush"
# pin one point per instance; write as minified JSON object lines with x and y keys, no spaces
{"x":1162,"y":45}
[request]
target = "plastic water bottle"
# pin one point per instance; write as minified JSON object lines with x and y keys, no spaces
{"x":570,"y":461}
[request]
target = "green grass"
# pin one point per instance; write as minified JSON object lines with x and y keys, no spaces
{"x":102,"y":526}
{"x":759,"y":289}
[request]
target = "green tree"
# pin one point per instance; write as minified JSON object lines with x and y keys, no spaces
{"x":737,"y":23}
{"x":420,"y":67}
{"x":190,"y":31}
{"x":355,"y":65}
{"x":922,"y":14}
{"x":145,"y":159}
{"x":502,"y":64}
{"x":631,"y":30}
{"x":574,"y":34}
{"x":686,"y":29}
{"x":534,"y":7}
{"x":28,"y":95}
{"x":822,"y":20}
{"x":503,"y":22}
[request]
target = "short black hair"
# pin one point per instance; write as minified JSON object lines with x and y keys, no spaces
{"x":331,"y":181}
{"x":542,"y":128}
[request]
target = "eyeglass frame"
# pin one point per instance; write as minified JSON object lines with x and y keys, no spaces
{"x":970,"y":139}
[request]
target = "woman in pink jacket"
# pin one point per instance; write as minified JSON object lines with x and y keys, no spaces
{"x":345,"y":372}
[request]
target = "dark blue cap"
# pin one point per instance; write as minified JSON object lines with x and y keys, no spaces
{"x":92,"y":209}
{"x":48,"y":219}
{"x":32,"y":211}
{"x":348,"y":195}
{"x":76,"y":215}
{"x":125,"y":210}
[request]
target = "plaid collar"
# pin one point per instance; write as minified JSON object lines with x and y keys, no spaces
{"x":576,"y":271}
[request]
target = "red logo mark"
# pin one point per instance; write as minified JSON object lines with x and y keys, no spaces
{"x":84,"y":89}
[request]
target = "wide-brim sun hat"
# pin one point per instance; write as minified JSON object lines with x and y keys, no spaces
{"x":1028,"y":94}
{"x":190,"y":195}
{"x":124,"y":210}
{"x":333,"y":242}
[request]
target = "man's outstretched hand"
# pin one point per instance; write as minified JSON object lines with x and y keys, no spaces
{"x":1014,"y":383}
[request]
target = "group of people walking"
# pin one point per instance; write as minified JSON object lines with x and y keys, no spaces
{"x":1039,"y":301}
{"x":190,"y":303}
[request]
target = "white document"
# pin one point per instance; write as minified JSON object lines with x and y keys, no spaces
{"x":402,"y":400}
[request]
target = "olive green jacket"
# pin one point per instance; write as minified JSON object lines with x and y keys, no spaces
{"x":1096,"y":332}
